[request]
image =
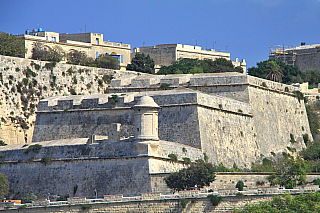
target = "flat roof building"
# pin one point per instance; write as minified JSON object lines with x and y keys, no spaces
{"x":90,"y":43}
{"x":166,"y":54}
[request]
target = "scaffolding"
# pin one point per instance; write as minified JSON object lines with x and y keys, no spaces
{"x":284,"y":53}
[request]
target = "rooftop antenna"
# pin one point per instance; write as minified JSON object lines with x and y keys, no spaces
{"x":85,"y":28}
{"x":213,"y":43}
{"x":143,"y":44}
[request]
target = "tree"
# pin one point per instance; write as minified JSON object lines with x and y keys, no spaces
{"x":142,"y":63}
{"x":4,"y":186}
{"x":187,"y":65}
{"x":201,"y":174}
{"x":286,"y":203}
{"x":275,"y":73}
{"x":240,"y":185}
{"x":11,"y":45}
{"x":108,"y":62}
{"x":77,"y":57}
{"x":287,"y":73}
{"x":289,"y":172}
{"x":40,"y":52}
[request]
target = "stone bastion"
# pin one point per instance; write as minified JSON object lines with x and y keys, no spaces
{"x":120,"y":142}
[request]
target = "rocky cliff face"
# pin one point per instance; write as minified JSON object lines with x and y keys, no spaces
{"x":24,"y":82}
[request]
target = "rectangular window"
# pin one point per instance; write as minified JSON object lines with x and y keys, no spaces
{"x":47,"y":38}
{"x":53,"y":38}
{"x":97,"y":54}
{"x":121,"y":58}
{"x":97,"y":41}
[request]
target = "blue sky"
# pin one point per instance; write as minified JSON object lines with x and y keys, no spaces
{"x":247,"y":27}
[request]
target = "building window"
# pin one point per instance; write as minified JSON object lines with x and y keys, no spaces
{"x":97,"y":54}
{"x":47,"y":38}
{"x":97,"y":41}
{"x":53,"y":38}
{"x":121,"y":58}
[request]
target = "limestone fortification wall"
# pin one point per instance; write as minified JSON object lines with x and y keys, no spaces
{"x":127,"y":176}
{"x":24,"y":82}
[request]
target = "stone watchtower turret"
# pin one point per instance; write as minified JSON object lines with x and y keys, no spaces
{"x":146,"y":119}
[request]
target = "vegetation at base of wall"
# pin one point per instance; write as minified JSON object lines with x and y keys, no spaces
{"x":2,"y":143}
{"x":142,"y":63}
{"x":192,"y":66}
{"x":86,"y":206}
{"x":164,"y":86}
{"x":4,"y":186}
{"x":186,"y":160}
{"x":63,"y":197}
{"x":290,"y":172}
{"x":201,"y":174}
{"x":33,"y":148}
{"x":23,"y":206}
{"x":114,"y":99}
{"x":240,"y":185}
{"x":46,"y":160}
{"x":286,"y":203}
{"x":205,"y":157}
{"x":313,"y":117}
{"x":173,"y":157}
{"x":214,"y":199}
{"x":184,"y":202}
{"x":11,"y":45}
{"x":28,"y":198}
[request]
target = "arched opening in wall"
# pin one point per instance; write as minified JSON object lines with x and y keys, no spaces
{"x":113,"y":53}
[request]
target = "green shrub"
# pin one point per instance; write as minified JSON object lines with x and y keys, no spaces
{"x":62,"y":197}
{"x":220,"y":106}
{"x":299,"y":95}
{"x":264,"y":84}
{"x":107,"y":78}
{"x":173,"y":157}
{"x":316,"y":181}
{"x":33,"y":148}
{"x":86,"y":206}
{"x":184,"y":150}
{"x":205,"y":157}
{"x":214,"y":199}
{"x":164,"y":86}
{"x":184,"y":203}
{"x":46,"y":160}
{"x":240,"y":185}
{"x":114,"y":99}
{"x":2,"y":143}
{"x":186,"y":160}
{"x":50,"y":66}
{"x":23,"y":206}
{"x":73,"y":92}
{"x":240,"y":110}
